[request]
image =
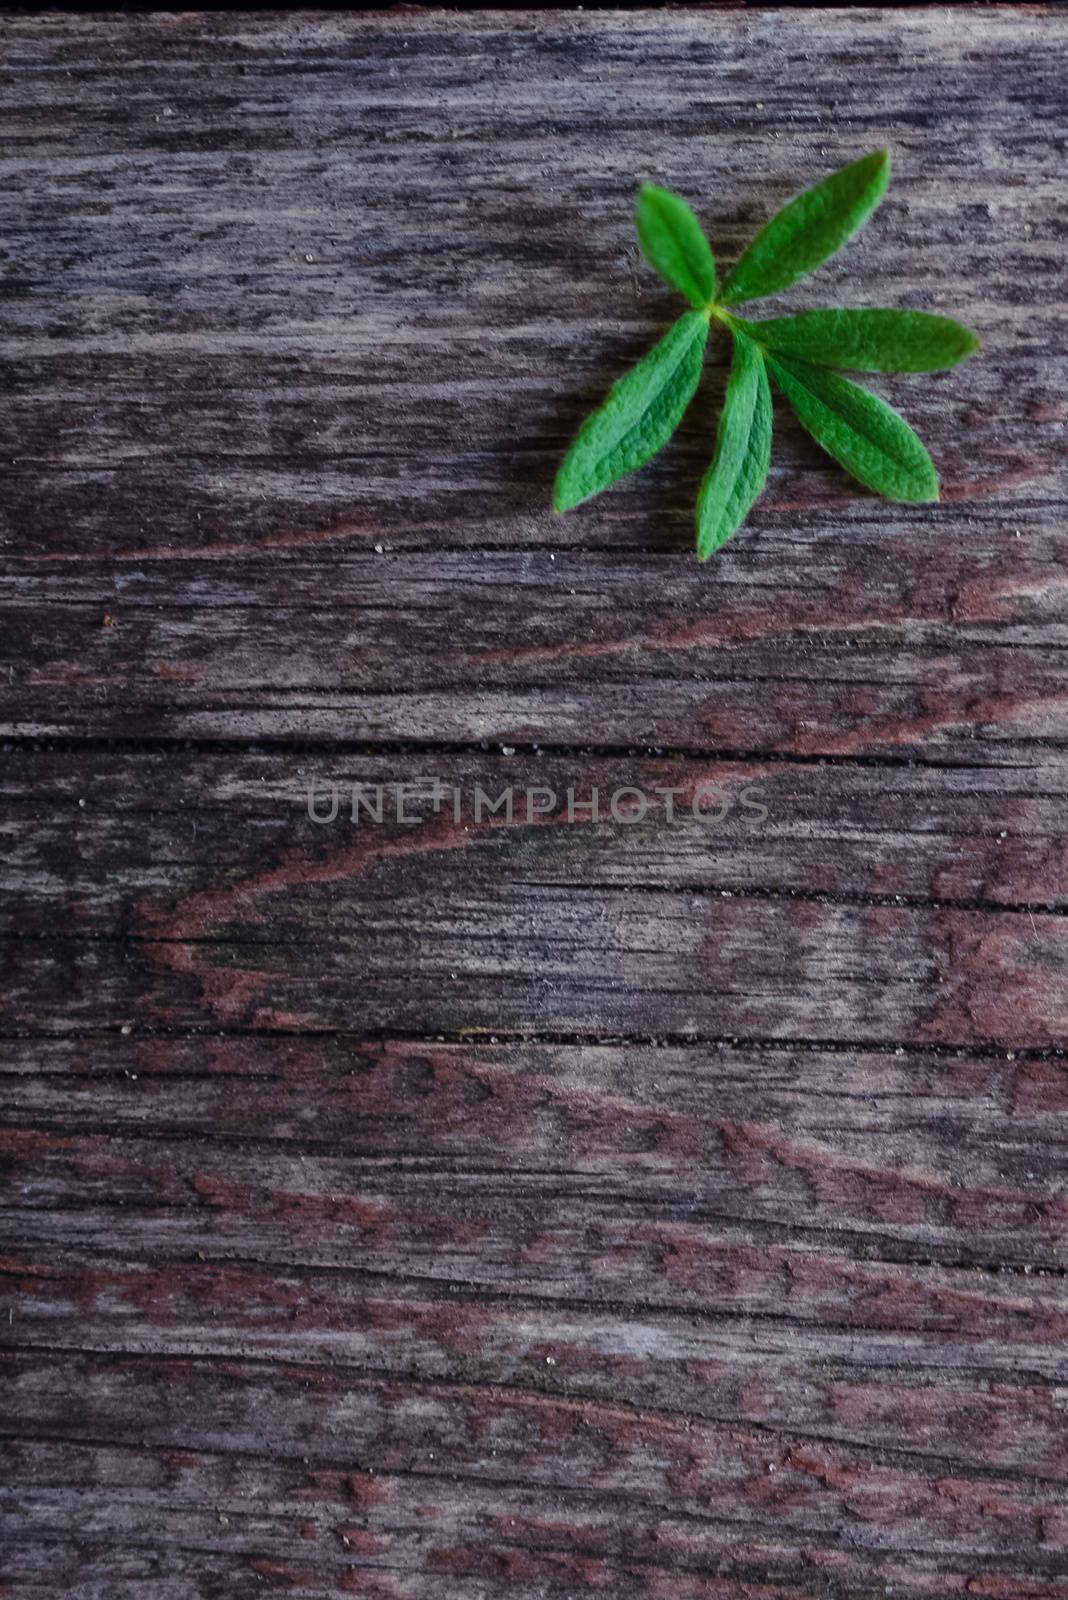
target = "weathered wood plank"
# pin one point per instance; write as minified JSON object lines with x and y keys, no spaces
{"x":244,"y":1523}
{"x":116,"y":841}
{"x":464,"y":196}
{"x":701,"y":1470}
{"x":868,"y":656}
{"x":491,"y":961}
{"x":837,"y":916}
{"x":698,"y":1467}
{"x":953,"y":1157}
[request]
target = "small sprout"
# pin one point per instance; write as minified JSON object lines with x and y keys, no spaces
{"x":799,"y":354}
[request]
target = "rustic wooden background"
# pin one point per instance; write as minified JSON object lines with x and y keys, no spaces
{"x":468,"y":1212}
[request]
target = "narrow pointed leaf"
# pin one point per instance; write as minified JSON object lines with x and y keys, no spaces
{"x":809,"y":229}
{"x":858,"y":429}
{"x":638,"y":417}
{"x":867,"y":341}
{"x":674,"y":243}
{"x":739,"y":468}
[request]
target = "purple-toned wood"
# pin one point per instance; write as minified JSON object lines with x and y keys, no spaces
{"x":522,"y":1208}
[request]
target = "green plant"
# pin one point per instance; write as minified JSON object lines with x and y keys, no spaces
{"x":798,"y":353}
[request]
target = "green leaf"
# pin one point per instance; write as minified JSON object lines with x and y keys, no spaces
{"x":867,"y":341}
{"x":638,"y":417}
{"x":674,"y":243}
{"x":810,"y":229}
{"x":739,"y":468}
{"x":861,"y":431}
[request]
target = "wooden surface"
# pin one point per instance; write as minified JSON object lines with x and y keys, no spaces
{"x":489,"y":1211}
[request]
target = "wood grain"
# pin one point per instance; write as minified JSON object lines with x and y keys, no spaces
{"x":500,"y":1208}
{"x":888,"y":905}
{"x":859,"y":654}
